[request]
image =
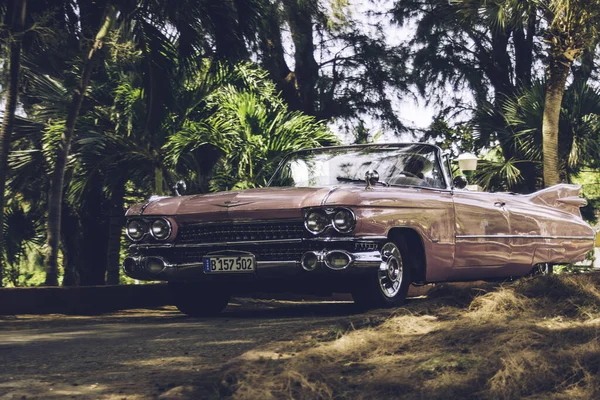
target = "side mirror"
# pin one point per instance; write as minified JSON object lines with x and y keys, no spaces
{"x":180,"y":188}
{"x":460,"y":182}
{"x":371,"y":177}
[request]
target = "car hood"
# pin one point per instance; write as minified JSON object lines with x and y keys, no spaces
{"x":286,"y":201}
{"x":245,"y":204}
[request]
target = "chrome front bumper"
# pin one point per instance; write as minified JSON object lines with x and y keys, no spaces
{"x":152,"y":267}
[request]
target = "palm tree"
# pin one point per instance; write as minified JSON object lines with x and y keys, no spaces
{"x":55,"y":199}
{"x":165,"y":53}
{"x":484,"y":47}
{"x":17,"y":23}
{"x":522,"y":121}
{"x":572,"y":28}
{"x":249,"y":127}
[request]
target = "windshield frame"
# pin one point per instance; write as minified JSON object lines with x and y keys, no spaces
{"x":436,"y":150}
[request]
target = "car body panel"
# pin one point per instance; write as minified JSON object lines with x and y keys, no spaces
{"x":428,"y":212}
{"x":480,"y":219}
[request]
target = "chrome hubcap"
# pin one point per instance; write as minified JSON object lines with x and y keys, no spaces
{"x":544,"y":269}
{"x":390,"y":270}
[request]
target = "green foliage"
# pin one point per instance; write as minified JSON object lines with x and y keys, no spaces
{"x":518,"y":126}
{"x":590,"y":185}
{"x":579,"y":140}
{"x":362,"y":135}
{"x":23,"y":235}
{"x":453,"y":139}
{"x":498,"y":175}
{"x":249,"y":126}
{"x":177,"y":93}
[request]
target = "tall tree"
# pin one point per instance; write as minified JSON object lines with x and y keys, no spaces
{"x":340,"y":67}
{"x":58,"y":176}
{"x":572,"y":28}
{"x":17,"y":23}
{"x":483,"y":47}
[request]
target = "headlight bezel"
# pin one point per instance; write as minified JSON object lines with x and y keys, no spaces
{"x":329,"y":214}
{"x":144,"y":230}
{"x":320,"y":212}
{"x":352,"y":222}
{"x":168,"y":226}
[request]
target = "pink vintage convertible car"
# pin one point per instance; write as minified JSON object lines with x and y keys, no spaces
{"x":368,"y":219}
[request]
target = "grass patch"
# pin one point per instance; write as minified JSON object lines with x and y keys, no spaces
{"x":536,"y":338}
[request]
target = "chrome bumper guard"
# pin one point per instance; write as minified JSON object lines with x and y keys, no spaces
{"x":336,"y":261}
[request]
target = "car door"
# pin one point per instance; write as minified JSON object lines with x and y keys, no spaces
{"x":482,"y":234}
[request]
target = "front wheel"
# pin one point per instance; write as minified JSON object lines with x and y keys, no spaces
{"x":388,"y":286}
{"x":199,"y":300}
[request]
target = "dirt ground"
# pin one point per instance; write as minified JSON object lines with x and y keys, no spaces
{"x":535,"y":338}
{"x":158,"y":353}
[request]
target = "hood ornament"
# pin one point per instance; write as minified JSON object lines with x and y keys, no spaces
{"x":233,"y":203}
{"x":371,"y":177}
{"x":179,"y":188}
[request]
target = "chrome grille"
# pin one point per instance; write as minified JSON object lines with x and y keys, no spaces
{"x":281,"y":252}
{"x":230,"y":232}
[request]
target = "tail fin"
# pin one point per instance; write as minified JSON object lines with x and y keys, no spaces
{"x":563,"y":196}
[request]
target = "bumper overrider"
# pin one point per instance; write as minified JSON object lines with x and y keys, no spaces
{"x":308,"y":256}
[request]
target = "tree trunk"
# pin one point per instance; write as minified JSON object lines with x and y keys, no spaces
{"x":70,"y":232}
{"x":18,"y":21}
{"x":115,"y":230}
{"x":55,"y":197}
{"x":523,"y":42}
{"x":299,"y":17}
{"x":583,"y":72}
{"x":93,"y":239}
{"x":228,"y":37}
{"x":273,"y":55}
{"x":158,"y":181}
{"x":555,"y":88}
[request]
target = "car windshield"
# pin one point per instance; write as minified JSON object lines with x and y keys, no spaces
{"x":397,"y":165}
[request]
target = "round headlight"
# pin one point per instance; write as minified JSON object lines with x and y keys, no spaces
{"x":160,"y":229}
{"x":343,"y":221}
{"x":136,"y":229}
{"x":316,"y":221}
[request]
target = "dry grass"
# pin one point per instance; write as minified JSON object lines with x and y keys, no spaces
{"x":535,"y":338}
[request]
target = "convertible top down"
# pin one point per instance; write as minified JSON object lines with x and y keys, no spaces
{"x":365,"y":219}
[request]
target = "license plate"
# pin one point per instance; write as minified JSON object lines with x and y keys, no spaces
{"x":229,"y":264}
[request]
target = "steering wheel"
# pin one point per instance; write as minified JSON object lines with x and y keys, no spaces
{"x":409,"y":174}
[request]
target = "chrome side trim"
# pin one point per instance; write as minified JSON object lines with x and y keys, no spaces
{"x":501,"y":236}
{"x":370,"y":239}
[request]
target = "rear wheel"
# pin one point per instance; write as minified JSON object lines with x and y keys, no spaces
{"x":199,"y":300}
{"x":388,"y":285}
{"x":542,"y":269}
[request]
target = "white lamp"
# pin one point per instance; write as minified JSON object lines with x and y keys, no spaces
{"x":467,"y":162}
